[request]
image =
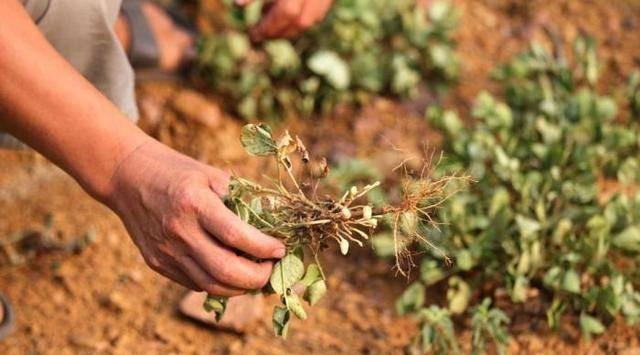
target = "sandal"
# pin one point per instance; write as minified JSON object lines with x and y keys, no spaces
{"x":8,"y":317}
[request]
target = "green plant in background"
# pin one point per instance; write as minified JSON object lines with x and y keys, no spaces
{"x":534,"y":219}
{"x":488,"y":324}
{"x":362,"y":49}
{"x":437,"y":334}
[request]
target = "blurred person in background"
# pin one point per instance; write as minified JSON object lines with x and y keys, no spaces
{"x":67,"y":91}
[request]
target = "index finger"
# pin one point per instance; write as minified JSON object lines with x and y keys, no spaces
{"x":230,"y":230}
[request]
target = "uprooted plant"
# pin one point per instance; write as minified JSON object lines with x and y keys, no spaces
{"x":292,"y":209}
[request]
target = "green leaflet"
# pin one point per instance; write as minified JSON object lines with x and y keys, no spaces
{"x":257,"y":140}
{"x":431,"y":271}
{"x":464,"y":259}
{"x":283,"y":57}
{"x":286,"y":273}
{"x":571,"y":281}
{"x":411,"y":300}
{"x":489,"y":324}
{"x":315,"y":292}
{"x":590,"y":325}
{"x":313,"y":274}
{"x":281,"y":319}
{"x":437,"y":334}
{"x":218,"y":305}
{"x":458,"y":295}
{"x":295,"y":306}
{"x":628,"y":239}
{"x":383,"y":245}
{"x":331,"y":67}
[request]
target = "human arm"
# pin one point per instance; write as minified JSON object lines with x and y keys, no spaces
{"x":170,"y":203}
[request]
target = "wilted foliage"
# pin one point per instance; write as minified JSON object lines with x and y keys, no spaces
{"x":291,"y":209}
{"x":363,"y":48}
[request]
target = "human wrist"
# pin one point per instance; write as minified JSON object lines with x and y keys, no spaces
{"x":98,"y":180}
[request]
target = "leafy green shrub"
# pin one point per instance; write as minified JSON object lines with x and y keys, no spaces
{"x":535,"y":219}
{"x":363,"y":48}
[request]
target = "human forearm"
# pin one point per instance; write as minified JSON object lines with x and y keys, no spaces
{"x":51,"y":107}
{"x":171,"y":204}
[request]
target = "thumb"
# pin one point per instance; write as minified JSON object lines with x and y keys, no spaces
{"x":243,"y":2}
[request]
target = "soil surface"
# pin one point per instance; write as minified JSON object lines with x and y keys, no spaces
{"x":102,"y":299}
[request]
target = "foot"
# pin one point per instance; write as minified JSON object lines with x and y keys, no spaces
{"x":241,"y":315}
{"x":175,"y":45}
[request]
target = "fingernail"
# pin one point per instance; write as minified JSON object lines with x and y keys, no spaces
{"x":279,"y":252}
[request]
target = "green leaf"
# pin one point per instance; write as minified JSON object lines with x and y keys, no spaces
{"x":295,"y":306}
{"x":458,"y":295}
{"x":248,"y":107}
{"x":518,"y":291}
{"x":629,"y":172}
{"x":411,"y":300}
{"x":571,"y":281}
{"x":238,"y":44}
{"x":218,"y":305}
{"x":590,"y":325}
{"x":281,"y":319}
{"x":331,"y":67}
{"x":554,"y":313}
{"x":312,"y":275}
{"x":528,"y":227}
{"x":283,"y":57}
{"x":315,"y":292}
{"x":430,"y":272}
{"x":257,"y":140}
{"x":464,"y":260}
{"x":383,"y":245}
{"x":499,"y":201}
{"x":628,"y":239}
{"x":286,"y":273}
{"x":405,"y":77}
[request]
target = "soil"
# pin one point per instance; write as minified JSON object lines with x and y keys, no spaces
{"x":104,"y":300}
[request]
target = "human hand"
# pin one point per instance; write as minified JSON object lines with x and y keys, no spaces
{"x":171,"y":206}
{"x":288,"y":18}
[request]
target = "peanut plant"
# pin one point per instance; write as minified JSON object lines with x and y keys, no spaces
{"x":363,"y":48}
{"x":292,"y":209}
{"x":538,"y":222}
